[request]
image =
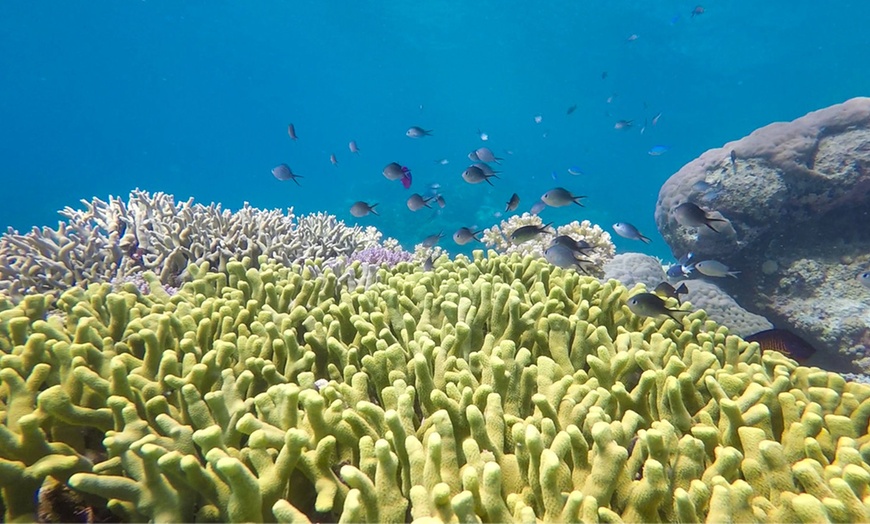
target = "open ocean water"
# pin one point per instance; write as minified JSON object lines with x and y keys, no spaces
{"x":99,"y":97}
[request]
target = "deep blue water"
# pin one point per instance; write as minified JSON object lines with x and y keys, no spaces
{"x":193,"y":98}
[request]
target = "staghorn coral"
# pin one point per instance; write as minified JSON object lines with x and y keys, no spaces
{"x":498,"y":237}
{"x":117,"y":239}
{"x":495,"y":389}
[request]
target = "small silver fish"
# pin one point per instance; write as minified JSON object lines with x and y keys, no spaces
{"x":513,"y":203}
{"x":416,"y":202}
{"x":526,"y":233}
{"x":564,"y":257}
{"x":537,"y":207}
{"x":483,"y":166}
{"x":652,"y":305}
{"x":333,"y":159}
{"x":428,"y":264}
{"x":443,"y":161}
{"x":431,"y":240}
{"x":393,"y":171}
{"x":483,"y":136}
{"x":577,"y":246}
{"x":417,"y":132}
{"x":283,"y":172}
{"x":485,"y":154}
{"x":464,"y":235}
{"x":361,"y":209}
{"x":353,"y":147}
{"x":714,"y":268}
{"x":476,"y":175}
{"x":690,"y":215}
{"x":291,"y":131}
{"x":560,"y":197}
{"x":626,"y":230}
{"x":622,"y":124}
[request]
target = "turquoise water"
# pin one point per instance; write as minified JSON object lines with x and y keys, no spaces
{"x":193,"y":99}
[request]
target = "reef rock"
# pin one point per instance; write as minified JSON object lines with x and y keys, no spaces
{"x":796,"y":197}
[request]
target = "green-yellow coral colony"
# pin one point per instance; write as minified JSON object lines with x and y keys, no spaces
{"x":492,"y":389}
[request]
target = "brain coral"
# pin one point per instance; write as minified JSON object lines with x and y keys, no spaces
{"x":493,"y":389}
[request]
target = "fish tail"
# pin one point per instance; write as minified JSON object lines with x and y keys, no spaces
{"x":733,"y":274}
{"x":682,"y":290}
{"x":711,"y":227}
{"x":644,"y":239}
{"x":576,"y":200}
{"x":372,"y":210}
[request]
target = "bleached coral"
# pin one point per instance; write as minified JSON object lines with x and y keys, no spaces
{"x":602,"y":249}
{"x":116,"y":239}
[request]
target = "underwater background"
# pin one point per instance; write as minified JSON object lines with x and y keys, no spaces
{"x":194,"y":99}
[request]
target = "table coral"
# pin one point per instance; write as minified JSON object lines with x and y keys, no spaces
{"x":492,"y":389}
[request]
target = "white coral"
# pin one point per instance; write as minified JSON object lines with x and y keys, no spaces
{"x":498,"y":238}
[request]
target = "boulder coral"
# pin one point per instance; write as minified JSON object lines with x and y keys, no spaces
{"x":492,"y":389}
{"x":796,"y":197}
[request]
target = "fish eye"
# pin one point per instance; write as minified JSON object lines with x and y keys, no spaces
{"x":865,"y":275}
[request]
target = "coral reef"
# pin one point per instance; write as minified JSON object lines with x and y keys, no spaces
{"x":796,"y":196}
{"x":116,"y":239}
{"x":491,"y":389}
{"x":637,"y":268}
{"x":497,"y":237}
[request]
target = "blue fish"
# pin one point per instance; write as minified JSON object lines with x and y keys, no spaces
{"x":554,"y":175}
{"x":657,"y":150}
{"x":574,"y":170}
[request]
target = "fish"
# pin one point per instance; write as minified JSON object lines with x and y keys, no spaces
{"x":611,"y":98}
{"x":733,"y":156}
{"x":526,"y":233}
{"x":283,"y":172}
{"x":476,"y":175}
{"x":560,"y":197}
{"x":783,"y":341}
{"x":690,"y":215}
{"x":333,"y":159}
{"x":361,"y":209}
{"x":577,"y":246}
{"x":439,"y":199}
{"x":485,"y":154}
{"x":483,"y":136}
{"x":652,"y":305}
{"x":643,"y":127}
{"x":416,"y":202}
{"x":417,"y":132}
{"x":538,"y":119}
{"x":464,"y":235}
{"x":604,"y":75}
{"x":406,"y":177}
{"x":564,"y":257}
{"x":678,"y":271}
{"x":632,"y":38}
{"x":714,"y":268}
{"x":443,"y":161}
{"x":554,"y":175}
{"x":512,"y":203}
{"x":864,"y":278}
{"x":574,"y":170}
{"x":698,"y":10}
{"x":657,"y":150}
{"x":537,"y":207}
{"x":394,"y":171}
{"x":353,"y":147}
{"x":655,"y":119}
{"x":626,"y":230}
{"x":428,"y":264}
{"x":483,"y":166}
{"x":622,"y":124}
{"x":473,"y":156}
{"x":431,"y":240}
{"x":666,"y":290}
{"x":291,"y":131}
{"x":571,"y":109}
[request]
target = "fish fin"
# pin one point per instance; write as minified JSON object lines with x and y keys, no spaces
{"x":297,"y":182}
{"x":682,"y":290}
{"x":372,"y":210}
{"x":733,"y":274}
{"x":711,"y":227}
{"x":576,"y":200}
{"x":488,"y":182}
{"x":673,"y":313}
{"x":644,"y":239}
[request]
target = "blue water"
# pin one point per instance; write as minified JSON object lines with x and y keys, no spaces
{"x":193,"y":99}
